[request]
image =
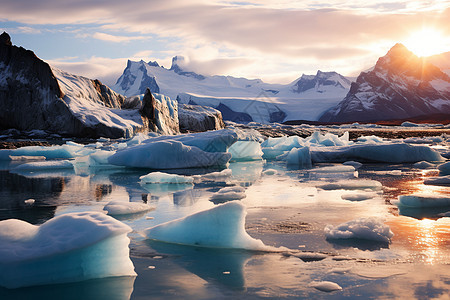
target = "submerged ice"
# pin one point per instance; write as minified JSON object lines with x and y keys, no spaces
{"x":68,"y":248}
{"x":363,"y":228}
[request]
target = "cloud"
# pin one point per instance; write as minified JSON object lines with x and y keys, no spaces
{"x":345,"y":34}
{"x":117,"y":38}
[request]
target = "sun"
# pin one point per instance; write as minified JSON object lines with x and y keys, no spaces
{"x":426,"y":42}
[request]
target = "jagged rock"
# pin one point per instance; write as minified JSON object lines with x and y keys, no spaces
{"x":160,"y":113}
{"x":34,"y":96}
{"x":199,"y":118}
{"x":400,"y":86}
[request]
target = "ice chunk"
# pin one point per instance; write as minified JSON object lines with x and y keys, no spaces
{"x":29,"y":201}
{"x":43,"y":165}
{"x":270,"y":172}
{"x":363,"y":228}
{"x":325,"y":286}
{"x":210,"y":141}
{"x":160,"y":177}
{"x":359,"y":196}
{"x":228,"y":193}
{"x":273,"y":147}
{"x":423,"y":200}
{"x":53,"y":152}
{"x":300,"y":157}
{"x":245,"y":151}
{"x":355,"y":164}
{"x":444,"y":169}
{"x":361,"y":184}
{"x":390,"y":153}
{"x":334,"y":169}
{"x":167,"y":155}
{"x":117,"y":208}
{"x":222,"y":226}
{"x":223,"y":175}
{"x":423,"y":165}
{"x":409,"y":124}
{"x":68,"y":248}
{"x":371,"y":139}
{"x":328,"y":139}
{"x":441,"y":180}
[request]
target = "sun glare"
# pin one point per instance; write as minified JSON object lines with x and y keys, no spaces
{"x":426,"y":42}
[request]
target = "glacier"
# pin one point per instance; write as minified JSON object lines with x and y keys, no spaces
{"x":68,"y":248}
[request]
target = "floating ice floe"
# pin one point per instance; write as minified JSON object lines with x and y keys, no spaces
{"x":270,"y":172}
{"x":223,"y":175}
{"x":334,"y":169}
{"x":160,"y":177}
{"x":441,"y":180}
{"x":358,"y":196}
{"x":26,"y":158}
{"x":53,"y":152}
{"x":362,"y":184}
{"x":228,"y":193}
{"x":68,"y":248}
{"x":167,"y":155}
{"x":117,"y":208}
{"x":389,"y":153}
{"x":325,"y":286}
{"x":245,"y":151}
{"x":222,"y":226}
{"x":371,"y":139}
{"x":444,"y":169}
{"x":363,"y":228}
{"x":423,"y":200}
{"x":43,"y":165}
{"x":423,"y":165}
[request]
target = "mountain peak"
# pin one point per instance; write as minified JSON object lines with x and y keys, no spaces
{"x":5,"y":39}
{"x":177,"y":62}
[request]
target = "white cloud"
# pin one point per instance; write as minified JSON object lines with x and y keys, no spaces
{"x":117,"y":38}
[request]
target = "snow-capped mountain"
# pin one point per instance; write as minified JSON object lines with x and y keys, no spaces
{"x":239,"y":99}
{"x":401,"y":85}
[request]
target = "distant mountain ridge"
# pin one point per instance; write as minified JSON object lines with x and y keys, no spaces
{"x":401,"y":85}
{"x":307,"y":97}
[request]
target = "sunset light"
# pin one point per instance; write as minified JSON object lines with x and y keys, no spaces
{"x":426,"y":42}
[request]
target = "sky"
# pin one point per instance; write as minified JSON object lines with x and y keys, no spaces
{"x":276,"y":41}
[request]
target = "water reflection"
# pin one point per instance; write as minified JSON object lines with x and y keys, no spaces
{"x":219,"y":266}
{"x":114,"y":288}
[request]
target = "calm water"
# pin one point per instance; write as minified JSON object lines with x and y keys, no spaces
{"x":287,"y":209}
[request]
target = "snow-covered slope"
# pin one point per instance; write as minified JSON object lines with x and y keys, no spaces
{"x":305,"y":98}
{"x":400,"y":86}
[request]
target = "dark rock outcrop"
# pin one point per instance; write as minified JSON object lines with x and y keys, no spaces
{"x":160,"y":115}
{"x":33,"y":96}
{"x":199,"y":118}
{"x":400,"y":86}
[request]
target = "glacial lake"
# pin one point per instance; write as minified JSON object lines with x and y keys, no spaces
{"x":288,"y":209}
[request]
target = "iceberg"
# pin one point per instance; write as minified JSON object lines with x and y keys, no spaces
{"x":43,"y":165}
{"x":68,"y":248}
{"x":117,"y":208}
{"x":423,"y":200}
{"x":246,"y":151}
{"x":167,"y":155}
{"x":210,"y":141}
{"x":299,"y":157}
{"x":228,"y":193}
{"x":371,"y":229}
{"x":388,"y":153}
{"x":160,"y":177}
{"x":441,"y":180}
{"x":52,"y":152}
{"x":362,"y":184}
{"x":222,"y":226}
{"x":444,"y":169}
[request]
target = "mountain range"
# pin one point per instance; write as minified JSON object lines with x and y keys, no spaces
{"x":400,"y":86}
{"x":239,"y":99}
